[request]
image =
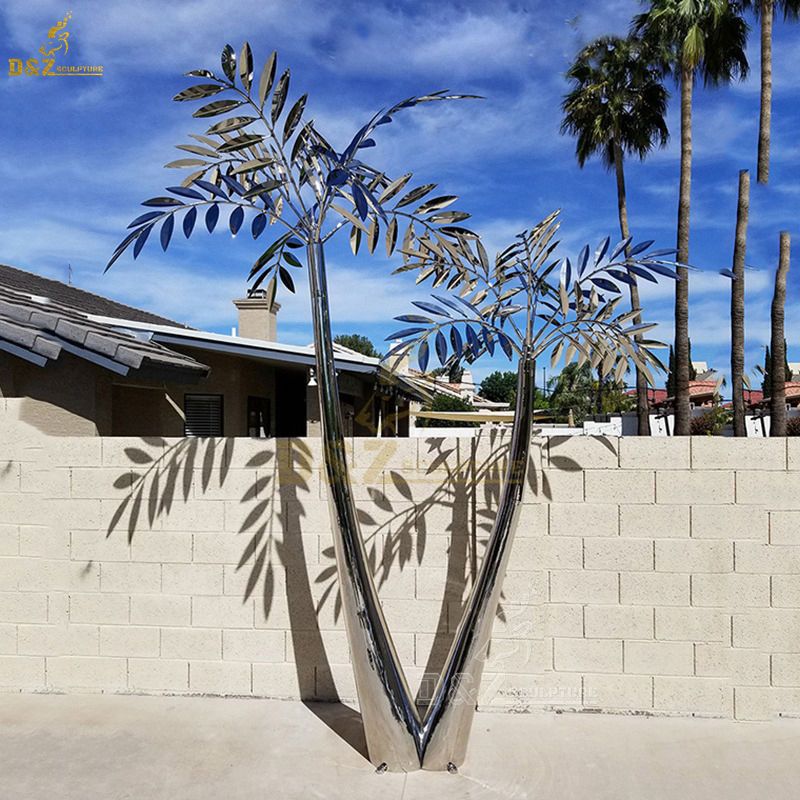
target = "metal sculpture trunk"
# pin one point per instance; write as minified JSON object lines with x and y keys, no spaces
{"x":397,"y":736}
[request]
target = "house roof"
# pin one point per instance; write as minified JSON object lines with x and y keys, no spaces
{"x":38,"y":329}
{"x":78,"y":299}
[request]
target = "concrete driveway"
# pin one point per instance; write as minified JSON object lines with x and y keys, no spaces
{"x":101,"y":747}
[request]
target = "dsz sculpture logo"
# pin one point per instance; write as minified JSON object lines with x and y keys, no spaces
{"x":57,"y":44}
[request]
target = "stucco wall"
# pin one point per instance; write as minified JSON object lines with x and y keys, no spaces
{"x":649,"y":575}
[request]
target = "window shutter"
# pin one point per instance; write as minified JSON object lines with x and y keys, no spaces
{"x":203,"y":415}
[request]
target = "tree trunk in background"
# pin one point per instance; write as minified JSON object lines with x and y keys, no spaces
{"x":642,"y":406}
{"x":682,"y":410}
{"x":767,"y":14}
{"x":737,"y":305}
{"x":778,"y":343}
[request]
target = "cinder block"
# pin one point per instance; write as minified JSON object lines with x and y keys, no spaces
{"x":693,"y":625}
{"x":160,"y":609}
{"x":21,"y":672}
{"x":528,"y":692}
{"x":767,"y":558}
{"x":581,"y":586}
{"x":288,"y":681}
{"x":377,"y":455}
{"x":113,"y":483}
{"x":582,"y":452}
{"x":223,"y":612}
{"x":189,"y":643}
{"x":337,"y":682}
{"x":52,"y":640}
{"x":23,"y":607}
{"x":158,"y":675}
{"x":412,"y":615}
{"x":162,"y":546}
{"x":397,"y":583}
{"x":618,"y":692}
{"x":785,"y":591}
{"x":9,"y":540}
{"x":220,"y":677}
{"x":532,"y":622}
{"x":256,"y":645}
{"x":44,"y":542}
{"x":659,"y":658}
{"x":95,"y":545}
{"x":205,"y":515}
{"x":767,"y":629}
{"x":107,"y":609}
{"x":619,"y":486}
{"x":775,"y":489}
{"x":72,"y":451}
{"x":673,"y":555}
{"x":729,"y":522}
{"x":786,"y":669}
{"x":587,"y":520}
{"x":556,"y":486}
{"x":726,"y":453}
{"x":8,"y":638}
{"x":755,"y":703}
{"x":547,"y":552}
{"x":533,"y":520}
{"x":588,"y":655}
{"x":27,"y":574}
{"x":742,"y":667}
{"x":129,"y":641}
{"x":698,"y":487}
{"x":130,"y":577}
{"x":654,"y":522}
{"x":784,"y":527}
{"x":317,"y":647}
{"x":654,"y":589}
{"x":620,"y":555}
{"x":519,"y":587}
{"x":127,"y":451}
{"x":654,"y":453}
{"x":520,"y":656}
{"x":433,"y":584}
{"x":192,"y":579}
{"x":75,"y":672}
{"x":701,"y":696}
{"x":730,"y":590}
{"x":618,"y":622}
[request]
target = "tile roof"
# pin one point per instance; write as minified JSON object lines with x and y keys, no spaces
{"x":29,"y":283}
{"x":38,"y":329}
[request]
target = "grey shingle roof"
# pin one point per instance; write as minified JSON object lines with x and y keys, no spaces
{"x":78,"y":299}
{"x":40,"y":329}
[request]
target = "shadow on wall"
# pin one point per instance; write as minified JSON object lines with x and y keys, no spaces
{"x":462,"y":483}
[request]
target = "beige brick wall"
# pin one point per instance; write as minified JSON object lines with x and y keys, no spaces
{"x":651,"y":576}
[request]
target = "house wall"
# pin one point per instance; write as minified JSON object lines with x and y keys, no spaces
{"x":649,"y":575}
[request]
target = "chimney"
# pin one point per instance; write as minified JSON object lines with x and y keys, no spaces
{"x":257,"y":317}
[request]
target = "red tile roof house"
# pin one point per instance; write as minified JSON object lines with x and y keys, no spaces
{"x":75,"y":363}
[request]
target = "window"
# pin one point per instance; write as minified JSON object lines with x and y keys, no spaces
{"x":203,"y":415}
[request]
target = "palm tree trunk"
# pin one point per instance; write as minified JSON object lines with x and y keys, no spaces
{"x":767,"y":14}
{"x":642,"y":405}
{"x":390,"y":718}
{"x":737,"y":305}
{"x":778,"y":343}
{"x":682,"y":410}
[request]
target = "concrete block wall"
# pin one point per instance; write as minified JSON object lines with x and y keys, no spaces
{"x":648,"y":575}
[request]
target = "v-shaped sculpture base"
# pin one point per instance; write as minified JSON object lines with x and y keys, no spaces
{"x":398,"y":738}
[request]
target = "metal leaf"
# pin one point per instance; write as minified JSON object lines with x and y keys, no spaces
{"x":212,"y":188}
{"x":262,"y":188}
{"x":228,"y":61}
{"x":394,"y":187}
{"x":189,"y":220}
{"x":404,"y":333}
{"x":236,"y":220}
{"x":361,"y":201}
{"x":231,"y":124}
{"x":415,"y":194}
{"x":246,"y":66}
{"x":435,"y":204}
{"x":286,"y":279}
{"x":253,"y":165}
{"x":414,"y":318}
{"x":216,"y":108}
{"x":258,"y":225}
{"x":185,"y":162}
{"x":423,"y":354}
{"x":279,"y":96}
{"x":141,"y":239}
{"x":372,"y":235}
{"x":240,"y":142}
{"x":432,"y":308}
{"x":198,"y":92}
{"x":166,"y":231}
{"x":293,"y":118}
{"x":145,"y":218}
{"x":212,"y":215}
{"x":355,"y":239}
{"x":162,"y":201}
{"x":456,"y":341}
{"x":391,"y":236}
{"x":267,"y":78}
{"x":441,"y":347}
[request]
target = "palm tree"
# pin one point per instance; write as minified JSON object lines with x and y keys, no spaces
{"x":765,"y":11}
{"x":705,"y":37}
{"x":737,"y":304}
{"x":778,"y":342}
{"x":615,"y":108}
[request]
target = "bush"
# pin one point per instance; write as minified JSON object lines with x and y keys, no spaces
{"x":793,"y":426}
{"x":444,"y":402}
{"x":710,"y":423}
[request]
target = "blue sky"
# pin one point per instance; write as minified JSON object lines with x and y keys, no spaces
{"x":80,"y":155}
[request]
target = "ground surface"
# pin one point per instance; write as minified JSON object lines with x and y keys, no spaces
{"x":98,"y":747}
